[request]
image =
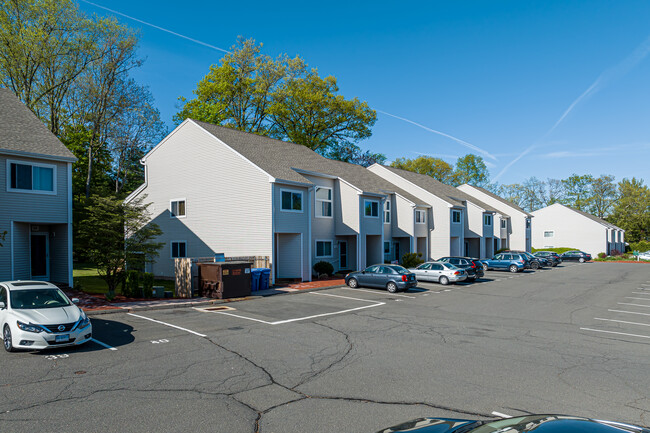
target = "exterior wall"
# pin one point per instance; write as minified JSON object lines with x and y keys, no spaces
{"x":20,"y":209}
{"x":324,"y":228}
{"x":570,"y":229}
{"x":371,"y":233}
{"x":228,"y":199}
{"x":402,"y":218}
{"x":346,"y":209}
{"x":474,"y":221}
{"x":294,"y":222}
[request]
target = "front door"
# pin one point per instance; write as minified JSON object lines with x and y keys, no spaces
{"x":396,"y":251}
{"x":343,"y":255}
{"x":40,"y":259}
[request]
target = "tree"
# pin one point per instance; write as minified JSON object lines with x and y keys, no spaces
{"x":471,"y":169}
{"x":116,"y":233}
{"x":354,"y":155}
{"x":577,"y":192}
{"x":603,"y":195}
{"x":555,"y":191}
{"x":632,"y":210}
{"x":513,"y":193}
{"x":279,"y":98}
{"x":434,"y":167}
{"x":533,"y":193}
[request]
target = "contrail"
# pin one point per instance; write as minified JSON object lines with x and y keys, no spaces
{"x":157,"y":27}
{"x":458,"y":140}
{"x":521,"y":155}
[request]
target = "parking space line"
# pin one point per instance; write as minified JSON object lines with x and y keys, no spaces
{"x":640,"y":299}
{"x":623,"y":321}
{"x":630,"y":312}
{"x":614,"y":332}
{"x":636,"y":305}
{"x":167,"y":324}
{"x":103,"y":344}
{"x":378,"y":293}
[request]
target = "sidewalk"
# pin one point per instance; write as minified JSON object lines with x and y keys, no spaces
{"x":97,"y":304}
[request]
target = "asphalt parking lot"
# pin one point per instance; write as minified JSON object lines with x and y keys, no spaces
{"x":573,"y":339}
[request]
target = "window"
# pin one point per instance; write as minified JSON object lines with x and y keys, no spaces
{"x":455,"y":216}
{"x":504,"y":224}
{"x":179,"y":249}
{"x":436,"y":267}
{"x":323,"y":202}
{"x":387,"y":211}
{"x":619,"y":236}
{"x":177,"y":208}
{"x":30,"y":177}
{"x":549,"y":234}
{"x":371,"y":208}
{"x":323,"y":248}
{"x":291,"y":201}
{"x":487,"y":220}
{"x":420,"y":217}
{"x":386,"y":247}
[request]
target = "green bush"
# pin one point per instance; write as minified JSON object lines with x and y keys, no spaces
{"x":602,"y":255}
{"x":324,"y":268}
{"x":558,"y":250}
{"x":411,"y":260}
{"x":640,"y":246}
{"x":131,"y":288}
{"x":147,"y":284}
{"x":500,"y":250}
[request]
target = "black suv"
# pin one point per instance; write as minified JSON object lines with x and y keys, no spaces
{"x":552,"y":257}
{"x":473,"y":267}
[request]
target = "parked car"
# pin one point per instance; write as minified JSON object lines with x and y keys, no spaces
{"x":512,"y":262}
{"x":535,"y":262}
{"x":551,"y":256}
{"x":38,"y":315}
{"x":576,"y":256}
{"x":644,"y":256}
{"x":392,"y":277}
{"x":439,"y":272}
{"x":473,"y":267}
{"x":537,"y":423}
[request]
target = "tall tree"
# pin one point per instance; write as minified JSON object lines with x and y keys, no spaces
{"x":471,"y":169}
{"x":513,"y":193}
{"x":577,"y":191}
{"x":533,"y":194}
{"x":429,"y":165}
{"x":603,"y":195}
{"x":355,"y":155}
{"x":554,"y":191}
{"x":632,"y":210}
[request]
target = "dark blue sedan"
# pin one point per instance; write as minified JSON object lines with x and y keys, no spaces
{"x":392,"y":277}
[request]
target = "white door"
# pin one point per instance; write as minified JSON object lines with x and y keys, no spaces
{"x":289,"y":255}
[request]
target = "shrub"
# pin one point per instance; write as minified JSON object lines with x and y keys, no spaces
{"x":500,"y":250}
{"x":147,"y":285}
{"x":602,"y":255}
{"x":615,"y":253}
{"x":131,"y":288}
{"x":324,"y":268}
{"x":640,"y":246}
{"x":411,"y":260}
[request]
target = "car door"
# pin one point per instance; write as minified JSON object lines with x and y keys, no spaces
{"x":366,"y":278}
{"x":436,"y":271}
{"x":422,"y":272}
{"x":384,"y":275}
{"x":502,"y":261}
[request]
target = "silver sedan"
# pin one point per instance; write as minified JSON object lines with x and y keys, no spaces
{"x":439,"y":272}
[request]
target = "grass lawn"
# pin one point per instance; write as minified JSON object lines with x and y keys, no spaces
{"x":86,"y":275}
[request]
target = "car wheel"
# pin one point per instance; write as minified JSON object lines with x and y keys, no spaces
{"x":485,"y":267}
{"x":581,"y":260}
{"x":6,"y":339}
{"x":353,"y":283}
{"x":391,"y":287}
{"x":534,"y":265}
{"x":472,"y":278}
{"x":443,"y":280}
{"x":514,"y":269}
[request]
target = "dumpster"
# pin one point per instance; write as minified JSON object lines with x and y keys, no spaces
{"x":225,"y":279}
{"x":265,"y":278}
{"x":256,"y":274}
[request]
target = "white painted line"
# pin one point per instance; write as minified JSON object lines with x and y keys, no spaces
{"x":623,"y":321}
{"x":447,"y":290}
{"x":636,"y":305}
{"x":377,"y":293}
{"x":167,"y":324}
{"x":617,"y":333}
{"x":630,"y":312}
{"x":103,"y":344}
{"x":244,"y":317}
{"x":502,"y":415}
{"x":640,"y":299}
{"x":640,"y":293}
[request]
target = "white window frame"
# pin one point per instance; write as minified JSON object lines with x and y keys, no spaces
{"x":32,"y":164}
{"x":365,"y":203}
{"x":386,"y":211}
{"x":329,"y":241}
{"x":547,"y":235}
{"x":319,"y":201}
{"x":171,"y":249}
{"x":423,"y":220}
{"x":456,"y":212}
{"x":504,"y":224}
{"x":487,"y":219}
{"x":302,"y":200}
{"x":177,"y":200}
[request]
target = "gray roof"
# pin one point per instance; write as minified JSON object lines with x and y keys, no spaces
{"x":22,"y":133}
{"x":280,"y":159}
{"x":501,"y":199}
{"x":592,"y":217}
{"x":446,"y":192}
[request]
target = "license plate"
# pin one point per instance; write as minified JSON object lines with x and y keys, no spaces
{"x":61,"y":338}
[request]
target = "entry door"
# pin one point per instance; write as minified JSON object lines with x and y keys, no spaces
{"x":396,"y":251}
{"x":343,"y":254}
{"x":40,"y":259}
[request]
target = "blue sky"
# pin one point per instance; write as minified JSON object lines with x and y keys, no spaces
{"x":543,"y":88}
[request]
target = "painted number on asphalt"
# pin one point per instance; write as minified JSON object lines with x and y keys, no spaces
{"x":55,"y":357}
{"x":163,"y":340}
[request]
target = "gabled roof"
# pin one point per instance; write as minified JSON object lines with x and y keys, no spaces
{"x":23,"y":134}
{"x":501,"y":199}
{"x":590,"y":216}
{"x":280,"y":159}
{"x":446,"y":192}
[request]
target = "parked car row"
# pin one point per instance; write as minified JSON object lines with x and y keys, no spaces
{"x":447,"y":270}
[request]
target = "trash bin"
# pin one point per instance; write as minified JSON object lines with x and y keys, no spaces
{"x":265,"y":278}
{"x":225,"y":280}
{"x":256,"y":273}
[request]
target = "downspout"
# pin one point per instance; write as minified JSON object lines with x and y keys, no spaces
{"x":273,"y":258}
{"x":310,"y":193}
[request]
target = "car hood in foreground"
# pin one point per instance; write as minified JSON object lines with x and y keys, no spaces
{"x":49,"y":316}
{"x":430,"y":425}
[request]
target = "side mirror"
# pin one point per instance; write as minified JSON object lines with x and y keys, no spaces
{"x":2,"y":305}
{"x":75,"y":300}
{"x":363,"y":272}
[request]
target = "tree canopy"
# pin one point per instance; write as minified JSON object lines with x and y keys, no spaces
{"x":429,"y":165}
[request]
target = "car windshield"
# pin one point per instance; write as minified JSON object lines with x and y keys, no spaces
{"x":518,"y":424}
{"x":399,"y":269}
{"x":449,"y":266}
{"x":38,"y":298}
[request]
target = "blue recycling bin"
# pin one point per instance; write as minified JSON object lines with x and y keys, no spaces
{"x":256,"y":274}
{"x":265,"y":278}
